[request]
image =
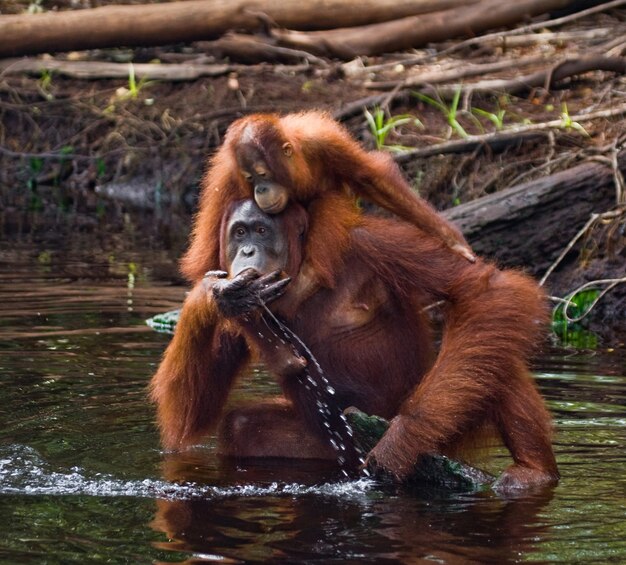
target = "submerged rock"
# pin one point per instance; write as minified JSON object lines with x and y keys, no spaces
{"x":437,"y":470}
{"x":164,"y":323}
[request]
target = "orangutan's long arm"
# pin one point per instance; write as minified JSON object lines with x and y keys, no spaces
{"x":197,"y":371}
{"x":493,"y":320}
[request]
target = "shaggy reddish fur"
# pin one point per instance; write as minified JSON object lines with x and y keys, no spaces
{"x":371,"y":337}
{"x":325,"y":162}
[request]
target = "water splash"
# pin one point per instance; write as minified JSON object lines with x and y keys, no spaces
{"x":23,"y":471}
{"x":315,"y":382}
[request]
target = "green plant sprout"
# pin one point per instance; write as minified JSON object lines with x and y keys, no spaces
{"x":568,"y":123}
{"x":134,"y":87}
{"x":381,"y":127}
{"x":496,"y":118}
{"x":449,"y":111}
{"x":44,"y":83}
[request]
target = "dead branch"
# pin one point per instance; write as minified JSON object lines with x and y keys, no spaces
{"x":102,"y":69}
{"x":494,"y":141}
{"x":592,"y":220}
{"x":250,"y":49}
{"x":456,"y":73}
{"x":416,"y":31}
{"x":544,"y":78}
{"x":558,"y":37}
{"x":191,"y":20}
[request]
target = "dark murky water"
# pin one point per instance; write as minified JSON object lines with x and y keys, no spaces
{"x":82,"y":479}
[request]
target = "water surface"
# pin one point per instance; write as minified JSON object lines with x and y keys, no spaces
{"x":82,"y":478}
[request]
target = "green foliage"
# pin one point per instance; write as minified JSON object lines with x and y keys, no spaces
{"x":134,"y":87}
{"x":44,"y":258}
{"x":449,"y":111}
{"x":131,"y":91}
{"x":568,"y":123}
{"x":381,"y":127}
{"x":45,"y":83}
{"x":101,"y":168}
{"x":497,"y":117}
{"x":566,"y":317}
{"x":164,"y":323}
{"x":35,"y":166}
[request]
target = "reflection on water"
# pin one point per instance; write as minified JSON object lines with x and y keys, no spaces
{"x":82,"y":478}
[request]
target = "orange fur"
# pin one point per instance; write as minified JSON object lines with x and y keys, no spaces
{"x":369,"y":335}
{"x":327,"y":165}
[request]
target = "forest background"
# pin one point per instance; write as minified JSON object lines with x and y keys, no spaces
{"x":507,"y":116}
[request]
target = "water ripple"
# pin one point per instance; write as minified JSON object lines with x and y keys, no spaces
{"x":23,"y":471}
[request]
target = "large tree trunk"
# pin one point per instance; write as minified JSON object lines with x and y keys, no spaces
{"x":160,"y":24}
{"x":531,"y":223}
{"x":415,"y":31}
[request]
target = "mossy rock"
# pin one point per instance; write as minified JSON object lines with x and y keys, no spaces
{"x":164,"y":323}
{"x":437,"y":470}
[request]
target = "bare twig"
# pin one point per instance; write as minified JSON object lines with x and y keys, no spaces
{"x":568,"y":247}
{"x":555,"y":37}
{"x":357,"y":107}
{"x":592,"y":220}
{"x":470,"y":143}
{"x":568,"y":300}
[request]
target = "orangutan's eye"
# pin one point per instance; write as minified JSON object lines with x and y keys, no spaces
{"x":246,"y":176}
{"x":240,"y":232}
{"x":261,"y":230}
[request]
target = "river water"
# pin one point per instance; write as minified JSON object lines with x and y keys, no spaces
{"x":82,"y":478}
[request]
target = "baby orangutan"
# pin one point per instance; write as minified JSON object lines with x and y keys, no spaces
{"x":310,"y":159}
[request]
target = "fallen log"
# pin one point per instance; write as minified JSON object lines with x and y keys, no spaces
{"x":191,"y":20}
{"x":92,"y":70}
{"x":529,"y":224}
{"x":416,"y":31}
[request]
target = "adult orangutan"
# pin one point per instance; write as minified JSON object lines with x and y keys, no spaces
{"x":305,"y":158}
{"x":371,"y":337}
